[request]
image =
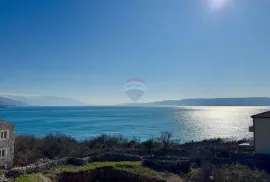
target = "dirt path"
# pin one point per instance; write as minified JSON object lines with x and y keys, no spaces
{"x":43,"y":178}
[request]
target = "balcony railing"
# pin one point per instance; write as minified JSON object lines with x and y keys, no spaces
{"x":251,"y":129}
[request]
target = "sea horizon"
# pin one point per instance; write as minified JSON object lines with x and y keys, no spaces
{"x":186,"y":123}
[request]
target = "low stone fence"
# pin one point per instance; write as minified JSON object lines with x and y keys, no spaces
{"x":107,"y":174}
{"x":48,"y":164}
{"x":35,"y":167}
{"x":115,"y":157}
{"x":178,"y":166}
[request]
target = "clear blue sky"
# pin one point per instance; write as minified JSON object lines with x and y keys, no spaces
{"x":181,"y":48}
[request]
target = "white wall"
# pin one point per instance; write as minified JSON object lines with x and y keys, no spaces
{"x":262,"y":135}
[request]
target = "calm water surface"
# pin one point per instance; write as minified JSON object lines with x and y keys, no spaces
{"x":186,"y":123}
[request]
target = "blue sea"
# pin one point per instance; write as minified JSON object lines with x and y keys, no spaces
{"x":186,"y":123}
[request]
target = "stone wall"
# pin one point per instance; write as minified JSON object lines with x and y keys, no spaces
{"x":106,"y":174}
{"x":35,"y":168}
{"x":115,"y":157}
{"x":177,"y":166}
{"x":43,"y":165}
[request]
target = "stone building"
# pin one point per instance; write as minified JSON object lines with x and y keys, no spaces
{"x":7,"y":139}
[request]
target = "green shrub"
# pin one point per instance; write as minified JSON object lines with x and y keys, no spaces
{"x":149,"y":145}
{"x":227,"y":173}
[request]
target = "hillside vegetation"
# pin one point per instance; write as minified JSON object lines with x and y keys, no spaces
{"x":208,"y":160}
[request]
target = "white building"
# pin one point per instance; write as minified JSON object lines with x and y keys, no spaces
{"x":261,"y":130}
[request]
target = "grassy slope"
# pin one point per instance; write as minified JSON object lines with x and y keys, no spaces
{"x":134,"y":167}
{"x":225,"y":174}
{"x":38,"y":177}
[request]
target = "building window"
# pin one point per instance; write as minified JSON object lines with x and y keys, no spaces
{"x":4,"y":134}
{"x":3,"y":152}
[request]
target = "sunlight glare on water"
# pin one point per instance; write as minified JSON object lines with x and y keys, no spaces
{"x":186,"y":123}
{"x":212,"y":122}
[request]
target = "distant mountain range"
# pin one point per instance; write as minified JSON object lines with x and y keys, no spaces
{"x":41,"y":100}
{"x":5,"y":102}
{"x":20,"y":100}
{"x":250,"y":101}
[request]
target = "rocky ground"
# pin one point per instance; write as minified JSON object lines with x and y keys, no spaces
{"x":161,"y":159}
